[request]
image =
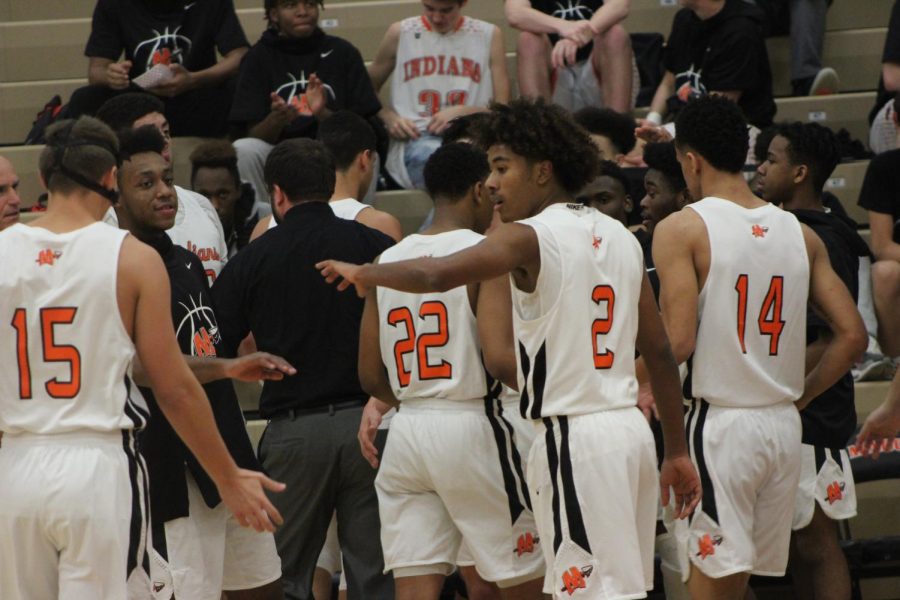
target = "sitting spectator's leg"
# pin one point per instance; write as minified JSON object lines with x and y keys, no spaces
{"x":886,"y":293}
{"x":883,"y":131}
{"x":818,"y":566}
{"x":612,"y":58}
{"x":251,"y":157}
{"x":807,"y":38}
{"x":533,"y":65}
{"x":415,"y":156}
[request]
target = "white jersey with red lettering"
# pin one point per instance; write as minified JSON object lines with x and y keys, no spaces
{"x":429,"y":342}
{"x":198,"y":229}
{"x":751,"y":339}
{"x":66,"y":357}
{"x":435,"y":71}
{"x":576,"y":331}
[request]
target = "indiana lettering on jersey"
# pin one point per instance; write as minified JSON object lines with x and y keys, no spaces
{"x":451,"y":66}
{"x":204,"y":254}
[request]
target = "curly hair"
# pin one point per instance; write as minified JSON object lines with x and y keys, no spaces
{"x":215,"y":154}
{"x":120,"y":112}
{"x":461,"y":128}
{"x":812,"y":145}
{"x":140,"y":140}
{"x":714,"y":128}
{"x":618,"y":127}
{"x":540,"y":131}
{"x":608,"y":168}
{"x":661,"y":157}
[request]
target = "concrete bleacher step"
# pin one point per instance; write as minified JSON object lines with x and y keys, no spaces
{"x":845,"y":110}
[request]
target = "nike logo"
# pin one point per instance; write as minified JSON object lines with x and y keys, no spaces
{"x":188,"y":6}
{"x":651,"y":269}
{"x":188,"y":265}
{"x":325,"y":54}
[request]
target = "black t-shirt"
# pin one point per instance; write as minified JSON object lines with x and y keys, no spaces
{"x":281,"y":65}
{"x":573,"y":10}
{"x":891,"y":54}
{"x":881,"y":186}
{"x":189,"y":35}
{"x":198,"y":335}
{"x":273,"y":289}
{"x":646,"y":242}
{"x":723,"y":53}
{"x":830,"y":419}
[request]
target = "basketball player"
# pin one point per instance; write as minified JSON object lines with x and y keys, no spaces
{"x":197,"y":226}
{"x":735,"y":273}
{"x":423,"y":350}
{"x":442,"y":65}
{"x":191,"y":528}
{"x":81,"y":299}
{"x":580,"y":302}
{"x":351,"y":141}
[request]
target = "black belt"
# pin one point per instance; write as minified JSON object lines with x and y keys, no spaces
{"x":293,"y":413}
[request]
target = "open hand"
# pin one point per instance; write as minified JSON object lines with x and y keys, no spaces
{"x":368,"y":427}
{"x":881,"y":425}
{"x":679,"y":474}
{"x":651,"y":132}
{"x":398,"y":127}
{"x":332,"y":270}
{"x":316,"y":96}
{"x":245,"y":497}
{"x":280,"y":108}
{"x":259,"y":366}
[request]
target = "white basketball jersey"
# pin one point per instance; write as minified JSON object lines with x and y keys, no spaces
{"x":575,"y":333}
{"x":64,"y":353}
{"x":429,"y":342}
{"x":435,"y":71}
{"x":198,"y":229}
{"x":751,"y":339}
{"x":348,"y":208}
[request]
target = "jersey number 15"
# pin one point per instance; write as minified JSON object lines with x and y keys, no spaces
{"x":53,"y":352}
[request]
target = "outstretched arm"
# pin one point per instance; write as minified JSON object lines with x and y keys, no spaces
{"x":510,"y":246}
{"x":257,"y":366}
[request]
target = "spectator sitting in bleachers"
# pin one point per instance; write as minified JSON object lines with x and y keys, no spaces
{"x":575,"y":55}
{"x":442,"y":65}
{"x":800,"y":158}
{"x":880,"y":196}
{"x":716,"y":47}
{"x":804,"y":21}
{"x":882,"y":135}
{"x":197,"y":227}
{"x":608,"y":192}
{"x":9,"y":194}
{"x":290,"y":80}
{"x":612,"y":132}
{"x":214,"y":175}
{"x":179,"y":35}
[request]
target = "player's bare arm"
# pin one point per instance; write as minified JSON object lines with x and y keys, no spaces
{"x":499,"y":74}
{"x":379,"y":72}
{"x":372,"y":375}
{"x":384,"y":222}
{"x":511,"y":248}
{"x":883,"y":244}
{"x":677,"y":470}
{"x":143,"y":294}
{"x":830,"y":298}
{"x":495,"y":330}
{"x":256,"y":366}
{"x":522,"y":16}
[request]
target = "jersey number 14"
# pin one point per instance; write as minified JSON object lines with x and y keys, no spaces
{"x":770,"y":322}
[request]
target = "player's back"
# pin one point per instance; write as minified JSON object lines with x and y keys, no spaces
{"x":66,"y":360}
{"x":575,"y":333}
{"x":751,"y":337}
{"x":436,"y":71}
{"x":429,"y":342}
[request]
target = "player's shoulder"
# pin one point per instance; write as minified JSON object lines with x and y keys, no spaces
{"x":683,"y":225}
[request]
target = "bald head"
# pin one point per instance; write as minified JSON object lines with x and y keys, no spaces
{"x":9,"y":196}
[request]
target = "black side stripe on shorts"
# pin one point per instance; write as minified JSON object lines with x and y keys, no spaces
{"x":819,"y":453}
{"x":137,"y":536}
{"x":516,"y":459}
{"x":553,"y":465}
{"x":538,"y":380}
{"x":138,"y":415}
{"x":836,"y":455}
{"x":525,"y":365}
{"x":709,"y":494}
{"x":574,"y":518}
{"x":504,"y":445}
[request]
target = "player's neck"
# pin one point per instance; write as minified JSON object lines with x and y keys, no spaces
{"x":804,"y":199}
{"x":345,"y":186}
{"x":707,"y":9}
{"x":554,"y":195}
{"x":449,"y":217}
{"x":731,"y":187}
{"x":68,"y":212}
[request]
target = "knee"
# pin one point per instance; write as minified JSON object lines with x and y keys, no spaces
{"x":614,"y":40}
{"x":886,"y":278}
{"x":251,"y":150}
{"x":531,"y":46}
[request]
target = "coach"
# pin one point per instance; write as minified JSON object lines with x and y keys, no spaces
{"x":273,"y":290}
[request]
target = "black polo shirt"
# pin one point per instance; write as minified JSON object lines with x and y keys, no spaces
{"x":273,"y":289}
{"x":197,"y":333}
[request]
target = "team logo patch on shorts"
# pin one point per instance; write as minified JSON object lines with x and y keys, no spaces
{"x":526,"y":543}
{"x":706,"y":546}
{"x":574,"y":579}
{"x":835,"y":492}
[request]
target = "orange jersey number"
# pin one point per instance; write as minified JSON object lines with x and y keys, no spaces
{"x":770,"y":322}
{"x":52,"y":352}
{"x":422,"y":343}
{"x":603,"y":294}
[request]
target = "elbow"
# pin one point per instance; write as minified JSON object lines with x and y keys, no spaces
{"x":514,"y":18}
{"x":890,"y":72}
{"x":857,"y":340}
{"x":682,"y":349}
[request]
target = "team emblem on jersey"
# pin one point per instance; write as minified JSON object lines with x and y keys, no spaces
{"x":199,"y":323}
{"x":707,"y":545}
{"x":574,"y":579}
{"x":526,"y":543}
{"x":47,"y":257}
{"x":158,"y":586}
{"x":294,"y":93}
{"x":834,"y":492}
{"x":165,"y":48}
{"x":597,"y":241}
{"x":759,"y":231}
{"x":572,"y":10}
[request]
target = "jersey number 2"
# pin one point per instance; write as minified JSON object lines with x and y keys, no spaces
{"x":770,"y":322}
{"x":601,"y":294}
{"x":53,"y":352}
{"x":421,"y":343}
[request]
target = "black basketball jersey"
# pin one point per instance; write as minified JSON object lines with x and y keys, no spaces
{"x":569,"y":10}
